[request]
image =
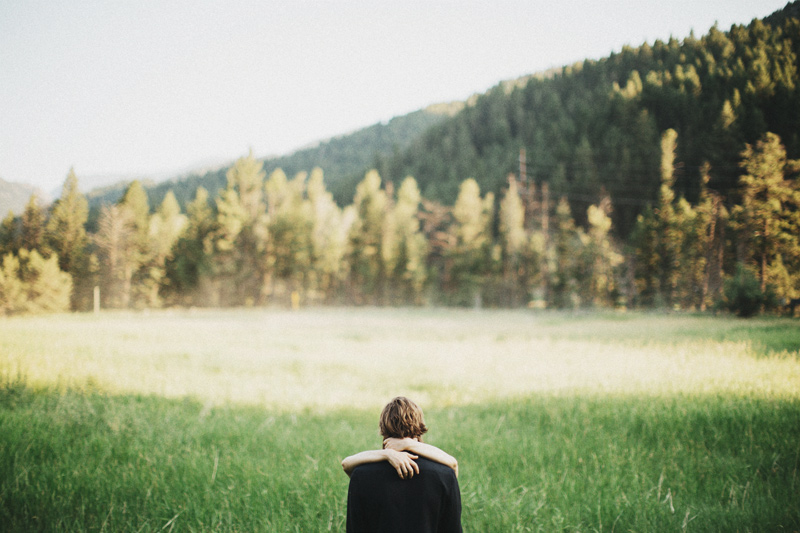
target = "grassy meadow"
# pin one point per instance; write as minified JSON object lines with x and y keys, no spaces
{"x":237,"y":420}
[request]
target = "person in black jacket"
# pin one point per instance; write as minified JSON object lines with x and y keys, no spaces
{"x":407,"y":486}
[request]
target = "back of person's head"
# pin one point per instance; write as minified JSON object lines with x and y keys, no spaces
{"x":402,"y":418}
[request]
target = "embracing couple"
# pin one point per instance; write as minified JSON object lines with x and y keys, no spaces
{"x":408,"y":485}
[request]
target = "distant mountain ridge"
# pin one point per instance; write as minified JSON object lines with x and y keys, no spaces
{"x":15,"y":196}
{"x":343,"y":158}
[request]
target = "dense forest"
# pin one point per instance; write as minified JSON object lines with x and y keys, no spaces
{"x":662,"y":176}
{"x":594,"y":127}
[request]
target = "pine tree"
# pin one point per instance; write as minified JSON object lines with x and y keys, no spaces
{"x":405,"y":249}
{"x":9,"y":235}
{"x":12,"y":290}
{"x":118,"y":255}
{"x":328,"y":238}
{"x":767,"y":217}
{"x":138,"y":282}
{"x":645,"y":240}
{"x":366,"y":238}
{"x":238,"y":262}
{"x":567,"y":246}
{"x":33,"y":225}
{"x":513,"y":243}
{"x":166,"y":225}
{"x":692,"y":223}
{"x":670,"y":235}
{"x":659,"y":237}
{"x":66,"y":236}
{"x":290,"y":226}
{"x":135,"y":201}
{"x":701,"y":264}
{"x":187,"y":270}
{"x":600,"y":257}
{"x":247,"y":177}
{"x":470,"y":258}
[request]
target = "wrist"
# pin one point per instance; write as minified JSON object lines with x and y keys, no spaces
{"x":411,"y":445}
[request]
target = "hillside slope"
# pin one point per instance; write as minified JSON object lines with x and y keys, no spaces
{"x":344,"y":159}
{"x":595,"y":127}
{"x":14,"y":197}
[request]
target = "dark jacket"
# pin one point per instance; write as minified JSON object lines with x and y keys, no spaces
{"x":379,"y":501}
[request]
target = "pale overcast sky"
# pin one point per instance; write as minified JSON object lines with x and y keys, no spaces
{"x":152,"y":87}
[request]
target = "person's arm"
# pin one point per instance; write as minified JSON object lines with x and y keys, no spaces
{"x":402,"y":461}
{"x":422,"y":449}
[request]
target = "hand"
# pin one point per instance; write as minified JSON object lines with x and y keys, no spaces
{"x":400,"y":445}
{"x":403,"y":463}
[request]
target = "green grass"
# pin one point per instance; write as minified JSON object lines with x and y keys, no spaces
{"x":133,"y":422}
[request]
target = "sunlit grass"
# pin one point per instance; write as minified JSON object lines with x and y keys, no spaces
{"x":326,"y":359}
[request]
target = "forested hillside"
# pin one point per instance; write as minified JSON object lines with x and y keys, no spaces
{"x":665,"y":176}
{"x":595,"y":126}
{"x":587,"y":129}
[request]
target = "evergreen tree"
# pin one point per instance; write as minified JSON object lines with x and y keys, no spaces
{"x":33,"y":225}
{"x":9,"y":235}
{"x":328,"y":238}
{"x":66,"y":236}
{"x":366,"y":239}
{"x":135,"y":201}
{"x":692,"y":223}
{"x":513,"y":244}
{"x":600,"y":257}
{"x":659,"y":237}
{"x":567,"y":246}
{"x":701,"y":262}
{"x":645,"y":240}
{"x":470,"y":258}
{"x":404,"y":245}
{"x":767,"y":217}
{"x":541,"y":262}
{"x":116,"y":242}
{"x":290,"y":225}
{"x":670,"y":234}
{"x":240,"y":239}
{"x":187,"y":269}
{"x":166,"y":225}
{"x":713,"y":218}
{"x":12,"y":290}
{"x":137,"y":278}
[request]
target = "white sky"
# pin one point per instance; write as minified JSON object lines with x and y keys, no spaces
{"x":154,"y":87}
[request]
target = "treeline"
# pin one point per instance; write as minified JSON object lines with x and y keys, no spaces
{"x":276,"y":240}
